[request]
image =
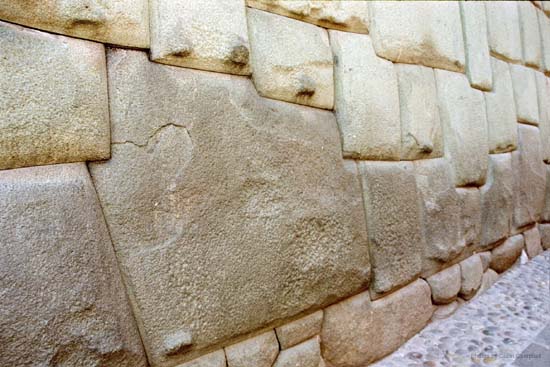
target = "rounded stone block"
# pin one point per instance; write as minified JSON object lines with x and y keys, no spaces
{"x":445,"y":285}
{"x":544,"y":230}
{"x":532,"y":242}
{"x":505,"y":255}
{"x":471,"y":273}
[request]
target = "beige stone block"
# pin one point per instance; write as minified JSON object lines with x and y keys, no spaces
{"x":445,"y":285}
{"x":544,"y":230}
{"x":503,"y":27}
{"x":485,"y":257}
{"x":530,"y":35}
{"x":525,"y":94}
{"x":299,"y":330}
{"x":259,"y":351}
{"x":543,"y":97}
{"x":545,"y":216}
{"x":214,"y":359}
{"x":544,"y":26}
{"x":306,"y":354}
{"x":444,"y":311}
{"x":489,"y":278}
{"x":532,"y":239}
{"x":470,"y":210}
{"x":471,"y":274}
{"x":505,"y":255}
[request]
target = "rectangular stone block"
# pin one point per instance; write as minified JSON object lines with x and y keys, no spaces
{"x":503,"y":27}
{"x":525,"y":94}
{"x":530,"y":35}
{"x":543,"y":97}
{"x":54,"y":106}
{"x":366,"y":99}
{"x":544,"y":27}
{"x":532,"y":242}
{"x":299,"y":330}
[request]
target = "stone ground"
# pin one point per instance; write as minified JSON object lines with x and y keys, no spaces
{"x":508,"y":325}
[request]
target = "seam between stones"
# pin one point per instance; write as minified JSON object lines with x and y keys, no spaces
{"x":154,"y":134}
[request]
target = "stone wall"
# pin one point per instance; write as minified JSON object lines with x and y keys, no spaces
{"x":264,"y":183}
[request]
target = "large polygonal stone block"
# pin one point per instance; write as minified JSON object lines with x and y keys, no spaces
{"x":54,"y":106}
{"x":530,"y":35}
{"x":464,"y":121}
{"x":63,"y":302}
{"x":119,"y":22}
{"x":419,"y":32}
{"x":211,"y":189}
{"x":290,"y":60}
{"x":543,"y":96}
{"x":366,"y":99}
{"x":525,"y":94}
{"x":504,"y":29}
{"x":207,"y":34}
{"x":445,"y":285}
{"x":544,"y":26}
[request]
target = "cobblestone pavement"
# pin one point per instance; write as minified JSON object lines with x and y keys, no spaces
{"x":508,"y":325}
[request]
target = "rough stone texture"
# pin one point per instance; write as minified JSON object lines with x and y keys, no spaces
{"x":485,"y":257}
{"x":350,"y":16}
{"x":505,"y":255}
{"x":471,"y":272}
{"x":544,"y":26}
{"x":445,"y":285}
{"x":463,"y":116}
{"x":357,"y":332}
{"x":529,"y":177}
{"x":489,"y":278}
{"x":441,"y":214}
{"x":544,"y":230}
{"x":545,"y":216}
{"x":366,"y":99}
{"x":474,"y":29}
{"x":119,"y":22}
{"x":504,"y":29}
{"x":530,"y":35}
{"x":525,"y":94}
{"x":299,"y":330}
{"x":421,"y":135}
{"x":532,"y":242}
{"x":497,"y":200}
{"x":63,"y":302}
{"x":470,"y":209}
{"x":290,"y":60}
{"x":396,"y":240}
{"x":306,"y":354}
{"x":444,"y":311}
{"x":420,"y":32}
{"x":54,"y":106}
{"x":206,"y":34}
{"x":214,"y":359}
{"x":501,"y":110}
{"x":543,"y":96}
{"x":260,"y":351}
{"x":198,"y":208}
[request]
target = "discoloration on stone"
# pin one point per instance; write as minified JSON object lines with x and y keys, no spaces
{"x":503,"y":29}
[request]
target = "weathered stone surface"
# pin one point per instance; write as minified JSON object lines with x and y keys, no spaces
{"x":306,"y":354}
{"x":395,"y":231}
{"x":214,"y":359}
{"x":529,"y":177}
{"x":525,"y":94}
{"x":357,"y":332}
{"x":474,"y":28}
{"x":544,"y":26}
{"x":532,"y":242}
{"x":119,"y":22}
{"x":198,"y":208}
{"x":544,"y":230}
{"x":501,"y":110}
{"x":444,"y":311}
{"x":54,"y":106}
{"x":259,"y":351}
{"x":471,"y":272}
{"x":441,"y":207}
{"x":299,"y":330}
{"x":420,"y":32}
{"x":530,"y":35}
{"x":290,"y":60}
{"x":545,"y":216}
{"x":485,"y":257}
{"x":421,"y":135}
{"x":445,"y":285}
{"x":463,"y":116}
{"x":366,"y":99}
{"x":207,"y":34}
{"x":497,"y":200}
{"x":505,"y":255}
{"x":543,"y":96}
{"x":489,"y":278}
{"x":63,"y":302}
{"x":546,"y":7}
{"x":350,"y":16}
{"x":504,"y":29}
{"x":470,"y":210}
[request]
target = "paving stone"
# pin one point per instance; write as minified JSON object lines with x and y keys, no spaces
{"x":525,"y":94}
{"x":504,"y":29}
{"x":505,"y":255}
{"x":543,"y":97}
{"x":421,"y":135}
{"x":544,"y":26}
{"x":532,"y":242}
{"x":366,"y":99}
{"x":445,"y":285}
{"x":214,"y":359}
{"x":54,"y":106}
{"x":470,"y":199}
{"x":544,"y":230}
{"x":207,"y":34}
{"x":63,"y":299}
{"x":425,"y":33}
{"x":290,"y":60}
{"x":489,"y":278}
{"x":119,"y":22}
{"x":299,"y":330}
{"x":471,"y":273}
{"x":530,"y":35}
{"x":463,"y":116}
{"x":259,"y":351}
{"x":306,"y":354}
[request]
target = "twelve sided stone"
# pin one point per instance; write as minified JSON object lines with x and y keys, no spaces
{"x":504,"y":29}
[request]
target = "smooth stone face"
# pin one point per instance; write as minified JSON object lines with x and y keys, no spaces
{"x":485,"y":257}
{"x":544,"y":230}
{"x":54,"y":106}
{"x":118,"y":22}
{"x":471,"y":272}
{"x":501,"y":110}
{"x":207,"y":34}
{"x":421,"y":135}
{"x":543,"y":96}
{"x":532,"y":242}
{"x":505,"y":255}
{"x":525,"y":94}
{"x":420,"y":32}
{"x":214,"y":359}
{"x":396,"y":240}
{"x":63,"y":302}
{"x":260,"y":351}
{"x":445,"y":311}
{"x":474,"y":28}
{"x":470,"y":199}
{"x":204,"y":198}
{"x":306,"y":354}
{"x":503,"y":29}
{"x":489,"y":278}
{"x":530,"y":35}
{"x":299,"y":330}
{"x":290,"y":60}
{"x":445,"y":285}
{"x":463,"y":116}
{"x":366,"y":99}
{"x":544,"y":26}
{"x":349,"y":16}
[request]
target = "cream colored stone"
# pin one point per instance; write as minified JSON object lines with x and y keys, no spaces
{"x":421,"y":135}
{"x":471,"y":273}
{"x":290,"y":60}
{"x":485,"y":257}
{"x":299,"y":330}
{"x":503,"y":27}
{"x":259,"y":351}
{"x":445,"y":285}
{"x":118,"y":22}
{"x":206,"y":34}
{"x":505,"y":255}
{"x":214,"y":359}
{"x":366,"y":99}
{"x":463,"y":116}
{"x":444,"y":311}
{"x":306,"y":354}
{"x":470,"y":199}
{"x":546,"y":7}
{"x":544,"y":230}
{"x":525,"y":94}
{"x":543,"y":97}
{"x":489,"y":278}
{"x":54,"y":106}
{"x":530,"y":35}
{"x":532,"y":239}
{"x":545,"y":216}
{"x":420,"y":32}
{"x":544,"y":26}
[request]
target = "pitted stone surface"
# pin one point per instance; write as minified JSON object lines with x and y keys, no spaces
{"x":471,"y":273}
{"x":525,"y":94}
{"x":470,"y":209}
{"x":530,"y":35}
{"x":543,"y":96}
{"x":299,"y":330}
{"x":445,"y":285}
{"x":532,"y":242}
{"x":198,"y":208}
{"x":306,"y":354}
{"x":54,"y":106}
{"x":366,"y":99}
{"x":504,"y":29}
{"x":259,"y":351}
{"x":544,"y":230}
{"x":544,"y":26}
{"x":207,"y":34}
{"x":420,"y":32}
{"x":505,"y":255}
{"x":290,"y":60}
{"x":119,"y":22}
{"x":214,"y":359}
{"x":63,"y":302}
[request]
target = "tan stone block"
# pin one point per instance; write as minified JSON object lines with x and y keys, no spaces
{"x":543,"y":96}
{"x":214,"y":359}
{"x":532,"y":242}
{"x":444,"y":311}
{"x":471,"y":273}
{"x":505,"y":255}
{"x":544,"y":230}
{"x":259,"y":351}
{"x":489,"y":278}
{"x":445,"y":285}
{"x":299,"y":330}
{"x":306,"y":354}
{"x":485,"y":257}
{"x":470,"y":210}
{"x":504,"y":29}
{"x":525,"y":94}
